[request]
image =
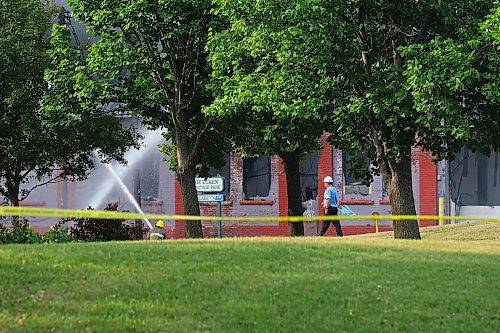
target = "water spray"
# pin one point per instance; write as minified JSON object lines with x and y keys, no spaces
{"x":132,"y":156}
{"x":127,"y":192}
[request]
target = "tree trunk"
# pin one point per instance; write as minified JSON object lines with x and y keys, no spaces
{"x":291,"y":162}
{"x":190,"y":201}
{"x":186,"y":170}
{"x":14,"y":202}
{"x":400,"y":191}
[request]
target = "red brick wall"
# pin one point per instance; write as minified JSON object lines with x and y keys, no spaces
{"x":428,"y":187}
{"x":279,"y":231}
{"x":350,"y":230}
{"x":325,"y":168}
{"x":179,"y":230}
{"x":427,"y":201}
{"x":283,"y":228}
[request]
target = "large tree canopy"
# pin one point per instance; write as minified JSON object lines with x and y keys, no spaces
{"x":150,"y":58}
{"x":415,"y":75}
{"x":395,"y":75}
{"x":268,"y":80}
{"x":33,"y":144}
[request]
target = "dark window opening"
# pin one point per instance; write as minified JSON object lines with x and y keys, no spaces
{"x":309,"y":176}
{"x":224,"y":171}
{"x":356,"y":173}
{"x":150,"y":175}
{"x":256,"y":177}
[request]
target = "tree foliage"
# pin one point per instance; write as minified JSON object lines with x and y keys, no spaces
{"x":35,"y":145}
{"x":150,"y":58}
{"x":267,"y":78}
{"x":394,"y":75}
{"x":415,"y":75}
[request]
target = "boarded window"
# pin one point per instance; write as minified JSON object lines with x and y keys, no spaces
{"x":309,"y":176}
{"x":256,"y":177}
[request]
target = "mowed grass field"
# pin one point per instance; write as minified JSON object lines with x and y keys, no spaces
{"x":353,"y":284}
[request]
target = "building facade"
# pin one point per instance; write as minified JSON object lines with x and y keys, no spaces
{"x":254,"y":187}
{"x":257,"y":186}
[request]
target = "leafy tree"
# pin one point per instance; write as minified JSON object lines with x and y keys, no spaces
{"x":415,"y":74}
{"x":397,"y":75}
{"x":150,"y":58}
{"x":33,"y":145}
{"x":265,"y":82}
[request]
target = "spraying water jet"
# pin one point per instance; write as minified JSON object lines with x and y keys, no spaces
{"x":127,"y":192}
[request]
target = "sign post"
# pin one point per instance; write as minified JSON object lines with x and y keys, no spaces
{"x":215,"y":186}
{"x":219,"y":222}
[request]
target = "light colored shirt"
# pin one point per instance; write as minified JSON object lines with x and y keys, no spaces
{"x":331,"y":193}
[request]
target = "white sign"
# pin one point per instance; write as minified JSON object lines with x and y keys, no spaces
{"x":211,"y":198}
{"x":209,"y":184}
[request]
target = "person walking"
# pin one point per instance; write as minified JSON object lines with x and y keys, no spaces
{"x":330,"y":206}
{"x":158,"y":232}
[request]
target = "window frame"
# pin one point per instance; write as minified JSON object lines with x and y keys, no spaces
{"x":245,"y":178}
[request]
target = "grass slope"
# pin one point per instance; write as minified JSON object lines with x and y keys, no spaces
{"x":468,"y":231}
{"x":251,"y":285}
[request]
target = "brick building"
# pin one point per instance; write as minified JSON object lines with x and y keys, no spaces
{"x":254,"y":187}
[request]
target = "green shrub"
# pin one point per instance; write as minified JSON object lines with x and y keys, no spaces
{"x":85,"y":229}
{"x":22,"y":233}
{"x":58,"y":234}
{"x":3,"y":234}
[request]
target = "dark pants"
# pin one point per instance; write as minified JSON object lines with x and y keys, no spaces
{"x":336,"y":224}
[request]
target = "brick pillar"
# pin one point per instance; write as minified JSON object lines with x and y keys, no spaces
{"x":428,"y":186}
{"x":325,"y":168}
{"x":179,"y":227}
{"x":282,"y":195}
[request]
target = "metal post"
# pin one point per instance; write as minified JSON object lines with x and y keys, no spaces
{"x":376,"y":218}
{"x":219,"y":222}
{"x":441,"y":210}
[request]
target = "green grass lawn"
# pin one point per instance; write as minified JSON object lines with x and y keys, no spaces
{"x":467,"y":231}
{"x":252,"y":285}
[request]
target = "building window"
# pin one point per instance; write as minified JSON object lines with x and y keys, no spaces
{"x":357,"y":176}
{"x":224,"y":171}
{"x":309,"y":176}
{"x":474,"y":179}
{"x":256,"y":177}
{"x":150,"y":175}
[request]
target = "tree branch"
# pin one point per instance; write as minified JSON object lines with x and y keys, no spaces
{"x":396,"y":56}
{"x":361,"y":36}
{"x":425,"y":26}
{"x":56,"y":179}
{"x":197,"y":142}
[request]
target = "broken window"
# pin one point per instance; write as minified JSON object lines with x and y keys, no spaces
{"x":256,"y":177}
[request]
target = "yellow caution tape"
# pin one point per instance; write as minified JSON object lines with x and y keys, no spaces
{"x":102,"y":214}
